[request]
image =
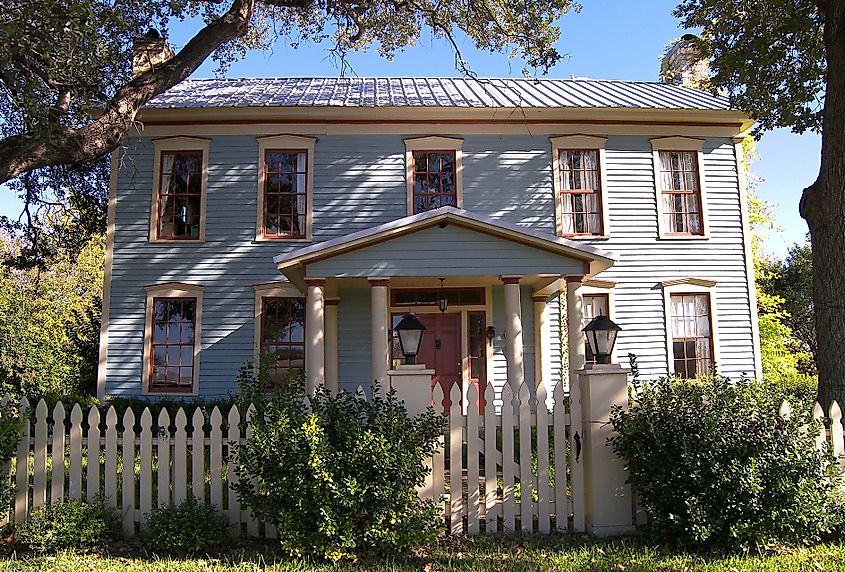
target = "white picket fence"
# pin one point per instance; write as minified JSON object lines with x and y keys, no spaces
{"x":517,"y":468}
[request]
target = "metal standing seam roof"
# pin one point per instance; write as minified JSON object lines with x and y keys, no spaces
{"x":435,"y":92}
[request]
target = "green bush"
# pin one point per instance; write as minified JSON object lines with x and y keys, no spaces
{"x":69,"y":524}
{"x":338,"y":478}
{"x":716,"y":466}
{"x":190,"y":527}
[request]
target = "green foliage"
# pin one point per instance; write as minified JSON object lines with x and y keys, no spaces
{"x":49,"y":323}
{"x":10,"y":434}
{"x":190,"y":527}
{"x":716,"y":466}
{"x":337,"y":478}
{"x":69,"y":524}
{"x":768,"y":55}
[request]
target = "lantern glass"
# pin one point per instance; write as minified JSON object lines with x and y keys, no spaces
{"x":601,"y":335}
{"x":410,"y":331}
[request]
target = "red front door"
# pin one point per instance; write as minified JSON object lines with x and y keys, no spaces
{"x":441,"y":350}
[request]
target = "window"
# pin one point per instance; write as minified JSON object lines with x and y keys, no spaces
{"x":692,"y":340}
{"x":593,"y":305}
{"x":680,"y":187}
{"x":180,"y":181}
{"x":580,"y":186}
{"x":680,"y":191}
{"x":691,"y":345}
{"x":433,"y":171}
{"x":285,"y":183}
{"x":172,"y":338}
{"x":282,"y":337}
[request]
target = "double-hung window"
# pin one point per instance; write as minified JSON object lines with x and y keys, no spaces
{"x":285,"y":187}
{"x":433,"y":173}
{"x":282,"y":350}
{"x":580,"y":186}
{"x":180,"y":184}
{"x":692,"y":340}
{"x":680,"y":187}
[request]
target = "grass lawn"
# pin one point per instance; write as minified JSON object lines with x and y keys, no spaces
{"x":484,"y":554}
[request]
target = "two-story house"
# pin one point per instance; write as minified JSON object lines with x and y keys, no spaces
{"x":299,"y":219}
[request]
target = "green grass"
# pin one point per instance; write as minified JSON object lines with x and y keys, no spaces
{"x":484,"y":554}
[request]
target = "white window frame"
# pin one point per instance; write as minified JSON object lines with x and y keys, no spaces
{"x":285,"y":142}
{"x":691,"y":286}
{"x":178,"y":143}
{"x":171,"y":290}
{"x":677,"y":143}
{"x":580,"y":142}
{"x":433,"y":143}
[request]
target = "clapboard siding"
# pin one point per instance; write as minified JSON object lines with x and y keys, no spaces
{"x":359,"y":182}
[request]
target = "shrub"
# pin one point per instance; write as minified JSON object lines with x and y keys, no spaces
{"x":69,"y":524}
{"x":10,"y":435}
{"x":338,"y":477}
{"x":190,"y":527}
{"x":716,"y":466}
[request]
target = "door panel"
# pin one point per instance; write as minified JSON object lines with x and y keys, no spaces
{"x":441,"y":350}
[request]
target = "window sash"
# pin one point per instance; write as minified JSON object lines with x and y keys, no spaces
{"x":173,"y":344}
{"x":282,"y":354}
{"x":580,"y":192}
{"x":285,"y":193}
{"x":692,"y":334}
{"x":593,"y":305}
{"x":434,"y":181}
{"x":179,"y":197}
{"x":681,"y":192}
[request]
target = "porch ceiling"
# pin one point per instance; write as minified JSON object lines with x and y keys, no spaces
{"x":444,"y":242}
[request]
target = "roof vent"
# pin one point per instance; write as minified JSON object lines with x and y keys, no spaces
{"x":148,"y":52}
{"x":683,"y":63}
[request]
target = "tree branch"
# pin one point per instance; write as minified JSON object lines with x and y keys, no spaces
{"x":27,"y":151}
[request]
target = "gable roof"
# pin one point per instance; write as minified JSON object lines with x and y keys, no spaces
{"x":594,"y":258}
{"x":443,"y":92}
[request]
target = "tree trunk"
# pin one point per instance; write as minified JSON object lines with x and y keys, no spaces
{"x":823,"y":207}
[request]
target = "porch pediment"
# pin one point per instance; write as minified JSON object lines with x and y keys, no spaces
{"x":444,"y":242}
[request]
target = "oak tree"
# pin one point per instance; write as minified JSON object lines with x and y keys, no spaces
{"x":783,"y":61}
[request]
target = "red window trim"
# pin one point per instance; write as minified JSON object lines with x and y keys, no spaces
{"x":261,"y":346}
{"x":596,"y":192}
{"x":697,"y":193}
{"x":304,"y":231}
{"x":709,"y":337}
{"x":150,"y":387}
{"x":414,"y":174}
{"x":162,"y":153}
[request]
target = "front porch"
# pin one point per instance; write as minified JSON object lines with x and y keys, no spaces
{"x":498,"y":278}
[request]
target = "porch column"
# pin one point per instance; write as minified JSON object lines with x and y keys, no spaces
{"x":542,"y":369}
{"x":315,"y":335}
{"x":331,"y":344}
{"x":575,"y":337}
{"x":513,"y":333}
{"x":380,"y":318}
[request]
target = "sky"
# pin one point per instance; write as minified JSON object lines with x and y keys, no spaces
{"x":607,"y":39}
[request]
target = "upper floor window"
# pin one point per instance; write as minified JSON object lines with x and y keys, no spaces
{"x":580,"y":186}
{"x":285,"y":187}
{"x":433,"y":172}
{"x":680,"y":187}
{"x":171,"y":349}
{"x":179,"y":189}
{"x":681,"y":193}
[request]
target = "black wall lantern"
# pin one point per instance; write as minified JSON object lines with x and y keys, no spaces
{"x":410,"y":331}
{"x":601,"y":335}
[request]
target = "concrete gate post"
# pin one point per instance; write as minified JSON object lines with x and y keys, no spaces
{"x":413,"y":386}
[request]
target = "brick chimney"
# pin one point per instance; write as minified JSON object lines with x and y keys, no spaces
{"x":684,"y":64}
{"x":149,"y":51}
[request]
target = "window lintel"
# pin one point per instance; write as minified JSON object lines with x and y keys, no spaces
{"x":677,"y":143}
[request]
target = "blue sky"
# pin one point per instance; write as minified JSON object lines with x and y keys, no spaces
{"x":608,"y":39}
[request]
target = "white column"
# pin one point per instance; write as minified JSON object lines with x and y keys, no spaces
{"x":331,"y":344}
{"x":513,"y":333}
{"x":574,"y":319}
{"x":542,"y":367}
{"x":315,"y":335}
{"x":380,"y":318}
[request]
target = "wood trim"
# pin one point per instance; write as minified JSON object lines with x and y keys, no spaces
{"x":511,"y":279}
{"x":270,"y":290}
{"x":315,"y":282}
{"x":598,"y":283}
{"x":677,"y":143}
{"x":433,"y":143}
{"x":383,"y":282}
{"x":174,"y":286}
{"x":702,"y":194}
{"x":702,"y":282}
{"x":292,"y":143}
{"x":175,"y":144}
{"x":577,"y":143}
{"x":103,"y":352}
{"x":691,"y":286}
{"x":573,"y":279}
